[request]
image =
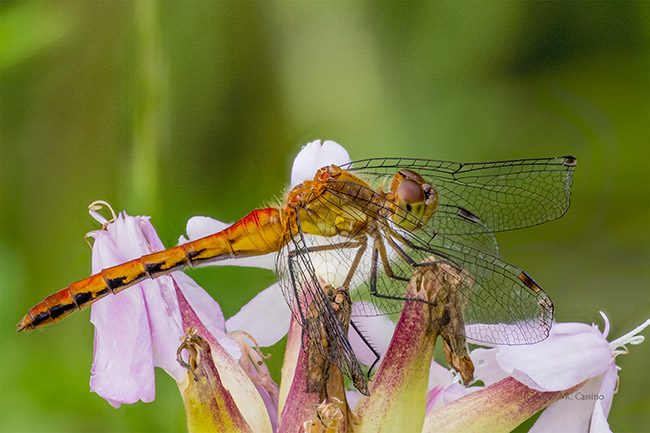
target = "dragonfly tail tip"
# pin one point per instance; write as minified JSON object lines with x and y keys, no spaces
{"x":24,"y":324}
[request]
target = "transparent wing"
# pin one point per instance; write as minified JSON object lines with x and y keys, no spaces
{"x":303,"y":290}
{"x":492,"y":196}
{"x":497,"y":302}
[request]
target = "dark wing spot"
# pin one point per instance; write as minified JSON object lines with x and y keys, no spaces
{"x":527,"y":280}
{"x":465,"y":214}
{"x":570,"y":161}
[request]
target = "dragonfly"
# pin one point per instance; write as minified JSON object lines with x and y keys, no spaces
{"x":366,"y":227}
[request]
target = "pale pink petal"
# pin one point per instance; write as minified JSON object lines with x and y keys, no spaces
{"x":486,"y":367}
{"x":434,"y":398}
{"x":140,"y":327}
{"x":165,"y":324}
{"x":599,"y":422}
{"x":443,"y":388}
{"x":353,"y":396}
{"x":571,"y":413}
{"x":378,"y":330}
{"x":123,"y":367}
{"x":201,"y":226}
{"x":204,"y":305}
{"x":265,"y":317}
{"x":605,"y":396}
{"x":573,"y":353}
{"x":122,"y":327}
{"x":439,"y":376}
{"x":314,"y":156}
{"x":455,"y":391}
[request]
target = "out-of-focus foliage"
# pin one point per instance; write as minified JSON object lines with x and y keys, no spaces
{"x":174,"y":109}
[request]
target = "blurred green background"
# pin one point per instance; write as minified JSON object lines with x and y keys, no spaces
{"x":176,"y":109}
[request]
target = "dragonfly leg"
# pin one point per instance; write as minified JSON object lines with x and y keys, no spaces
{"x":444,"y":258}
{"x":368,"y":345}
{"x":355,"y":263}
{"x":328,"y":247}
{"x":379,"y":246}
{"x":373,"y":275}
{"x":296,"y":295}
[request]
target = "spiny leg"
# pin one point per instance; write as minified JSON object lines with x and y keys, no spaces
{"x":368,"y":345}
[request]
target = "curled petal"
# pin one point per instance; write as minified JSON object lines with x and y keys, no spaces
{"x":253,"y":363}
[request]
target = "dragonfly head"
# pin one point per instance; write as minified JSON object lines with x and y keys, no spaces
{"x":415,"y":200}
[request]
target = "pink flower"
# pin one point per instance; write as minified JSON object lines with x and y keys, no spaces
{"x":226,"y":386}
{"x":574,"y":371}
{"x":139,"y":329}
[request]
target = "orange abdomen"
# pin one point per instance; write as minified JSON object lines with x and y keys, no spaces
{"x":260,"y":232}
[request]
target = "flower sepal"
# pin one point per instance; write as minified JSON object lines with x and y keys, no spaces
{"x":209,"y":406}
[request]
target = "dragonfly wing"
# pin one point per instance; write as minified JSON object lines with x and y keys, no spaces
{"x":496,"y":302}
{"x":304,"y":291}
{"x":493,"y":196}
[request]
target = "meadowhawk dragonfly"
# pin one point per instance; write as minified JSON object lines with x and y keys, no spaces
{"x":366,"y":226}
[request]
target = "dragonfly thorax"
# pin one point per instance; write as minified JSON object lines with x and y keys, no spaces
{"x":334,"y":203}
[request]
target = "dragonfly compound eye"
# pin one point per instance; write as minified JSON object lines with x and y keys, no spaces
{"x":412,"y":204}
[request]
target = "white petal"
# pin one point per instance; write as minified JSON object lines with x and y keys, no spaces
{"x":314,"y":156}
{"x":199,"y":227}
{"x":378,"y":330}
{"x":266,"y":317}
